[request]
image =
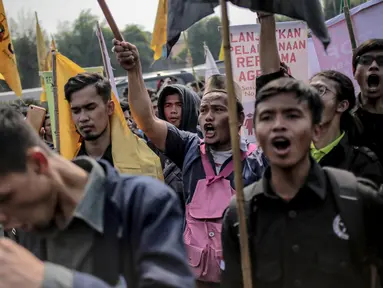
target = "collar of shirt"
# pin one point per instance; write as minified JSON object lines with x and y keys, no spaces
{"x":318,"y":154}
{"x":315,"y":182}
{"x":91,"y":207}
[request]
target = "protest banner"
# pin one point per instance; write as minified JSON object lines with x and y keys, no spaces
{"x":48,"y":82}
{"x":244,"y":42}
{"x":366,"y":18}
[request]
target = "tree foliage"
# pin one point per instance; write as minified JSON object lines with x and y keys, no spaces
{"x":206,"y":30}
{"x":76,"y":40}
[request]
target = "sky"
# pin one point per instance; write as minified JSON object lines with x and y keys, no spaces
{"x":142,"y":12}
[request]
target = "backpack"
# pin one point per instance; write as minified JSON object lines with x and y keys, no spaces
{"x":347,"y":199}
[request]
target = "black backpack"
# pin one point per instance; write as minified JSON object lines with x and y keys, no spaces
{"x":345,"y":190}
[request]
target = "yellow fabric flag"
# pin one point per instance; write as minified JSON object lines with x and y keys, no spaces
{"x":130,"y":154}
{"x":48,"y":61}
{"x":41,"y":56}
{"x":8,"y":66}
{"x":159,"y":31}
{"x":221,"y":53}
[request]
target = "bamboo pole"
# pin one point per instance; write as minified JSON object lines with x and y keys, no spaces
{"x":350,"y":27}
{"x":192,"y":65}
{"x":109,"y":18}
{"x":233,"y":121}
{"x":55,"y":97}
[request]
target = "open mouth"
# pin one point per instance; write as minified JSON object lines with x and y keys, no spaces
{"x":373,"y":81}
{"x":281,"y":144}
{"x":209,"y":130}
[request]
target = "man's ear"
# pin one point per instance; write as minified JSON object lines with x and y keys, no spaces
{"x":241,"y":119}
{"x":37,"y":160}
{"x":342,"y":106}
{"x":110,"y":107}
{"x":316,"y":132}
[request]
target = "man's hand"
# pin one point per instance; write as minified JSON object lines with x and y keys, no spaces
{"x":127,"y":55}
{"x":19,"y":268}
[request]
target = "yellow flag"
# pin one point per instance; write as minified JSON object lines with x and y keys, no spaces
{"x":41,"y":55}
{"x":8,"y":66}
{"x":130,"y":154}
{"x":48,"y":61}
{"x":159,"y":31}
{"x":221,"y":53}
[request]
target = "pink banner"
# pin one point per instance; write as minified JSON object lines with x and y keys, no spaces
{"x":367,"y":21}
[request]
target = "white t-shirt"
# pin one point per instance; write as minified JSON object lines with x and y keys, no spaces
{"x":219,"y":158}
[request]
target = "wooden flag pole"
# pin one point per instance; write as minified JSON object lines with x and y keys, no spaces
{"x":233,"y":121}
{"x":109,"y":18}
{"x":350,"y":27}
{"x":55,"y":97}
{"x":192,"y":63}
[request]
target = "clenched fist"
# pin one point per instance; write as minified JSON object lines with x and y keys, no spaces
{"x":127,"y":55}
{"x":19,"y":268}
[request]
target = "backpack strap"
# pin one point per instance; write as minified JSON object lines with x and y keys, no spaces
{"x":205,"y":162}
{"x":345,"y":190}
{"x":106,"y":261}
{"x":229,"y":168}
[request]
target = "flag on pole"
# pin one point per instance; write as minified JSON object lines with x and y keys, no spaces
{"x":184,"y":13}
{"x":159,"y":32}
{"x":41,"y":56}
{"x":130,"y":154}
{"x":106,"y":58}
{"x":211,"y":66}
{"x":222,"y":53}
{"x":48,"y":62}
{"x":8,"y":64}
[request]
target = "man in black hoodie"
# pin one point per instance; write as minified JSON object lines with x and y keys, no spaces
{"x":178,"y":105}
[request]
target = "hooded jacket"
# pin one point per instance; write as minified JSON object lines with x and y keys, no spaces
{"x":189,"y":122}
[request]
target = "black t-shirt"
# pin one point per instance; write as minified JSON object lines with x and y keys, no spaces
{"x":107,"y":154}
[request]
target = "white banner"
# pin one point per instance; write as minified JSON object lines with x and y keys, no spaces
{"x":244,"y":42}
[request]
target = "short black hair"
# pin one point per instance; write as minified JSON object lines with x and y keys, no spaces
{"x":82,"y":80}
{"x":125,"y":106}
{"x":303,"y":92}
{"x":344,"y":91}
{"x":17,"y":136}
{"x":367,"y":46}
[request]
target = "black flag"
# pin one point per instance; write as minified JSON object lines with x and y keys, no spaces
{"x":184,"y":13}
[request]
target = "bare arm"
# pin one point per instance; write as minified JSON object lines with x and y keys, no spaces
{"x":141,"y":107}
{"x":269,"y":56}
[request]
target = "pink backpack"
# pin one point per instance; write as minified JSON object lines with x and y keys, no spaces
{"x":202,"y":235}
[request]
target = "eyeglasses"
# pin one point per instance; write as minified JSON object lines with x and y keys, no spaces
{"x":368,"y":59}
{"x":322,"y":90}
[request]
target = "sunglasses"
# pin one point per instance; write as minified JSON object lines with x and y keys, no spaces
{"x":369,"y":59}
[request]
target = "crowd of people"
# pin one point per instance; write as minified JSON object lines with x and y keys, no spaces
{"x":313,"y":196}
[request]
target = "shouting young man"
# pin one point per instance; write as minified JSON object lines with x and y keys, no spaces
{"x":308,"y":226}
{"x":206,"y":164}
{"x":95,"y":227}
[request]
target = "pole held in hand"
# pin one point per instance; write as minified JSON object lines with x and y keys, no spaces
{"x":109,"y":18}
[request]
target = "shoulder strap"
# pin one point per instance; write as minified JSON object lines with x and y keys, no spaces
{"x":249,"y":196}
{"x":345,"y":190}
{"x":106,"y":261}
{"x":205,"y":161}
{"x":229,"y":168}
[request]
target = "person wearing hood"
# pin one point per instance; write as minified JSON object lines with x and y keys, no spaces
{"x":178,"y":105}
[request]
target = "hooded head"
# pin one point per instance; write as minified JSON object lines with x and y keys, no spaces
{"x":179,"y":106}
